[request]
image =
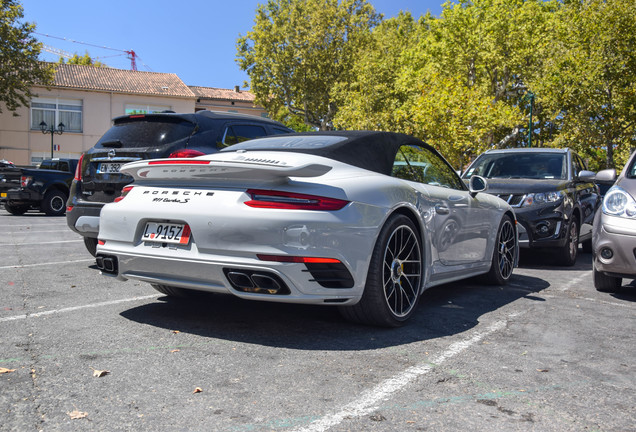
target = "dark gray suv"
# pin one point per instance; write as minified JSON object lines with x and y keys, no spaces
{"x":551,"y":191}
{"x":149,"y":136}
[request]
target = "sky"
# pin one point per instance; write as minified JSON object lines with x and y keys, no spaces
{"x":194,"y":39}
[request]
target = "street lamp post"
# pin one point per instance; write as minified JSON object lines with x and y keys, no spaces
{"x":51,"y":130}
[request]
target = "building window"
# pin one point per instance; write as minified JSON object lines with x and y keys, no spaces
{"x":56,"y":111}
{"x":132,"y":109}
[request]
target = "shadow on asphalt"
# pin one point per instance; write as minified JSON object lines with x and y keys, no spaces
{"x":544,"y":260}
{"x":445,"y":310}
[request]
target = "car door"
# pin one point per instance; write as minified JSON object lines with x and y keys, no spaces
{"x":458,"y":223}
{"x":586,"y":194}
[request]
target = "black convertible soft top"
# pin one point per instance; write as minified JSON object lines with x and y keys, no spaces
{"x":371,"y":150}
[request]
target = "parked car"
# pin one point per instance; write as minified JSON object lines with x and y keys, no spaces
{"x":551,"y":191}
{"x":148,"y":136}
{"x":9,"y":178}
{"x":319,"y":218}
{"x":44,"y":188}
{"x":614,"y":239}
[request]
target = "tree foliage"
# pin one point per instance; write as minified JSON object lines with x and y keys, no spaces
{"x":589,"y":82}
{"x":298,"y":50}
{"x":19,"y":65}
{"x":85,"y":60}
{"x":484,"y":74}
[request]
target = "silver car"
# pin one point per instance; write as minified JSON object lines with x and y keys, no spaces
{"x":614,"y":234}
{"x":365,"y":221}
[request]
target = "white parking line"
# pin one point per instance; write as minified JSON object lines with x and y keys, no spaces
{"x":45,"y":264}
{"x":370,"y":399}
{"x":75,"y":308}
{"x":38,"y":232}
{"x":39,"y":243}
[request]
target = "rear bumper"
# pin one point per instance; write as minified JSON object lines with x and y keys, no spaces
{"x":83,"y":218}
{"x":217,"y":273}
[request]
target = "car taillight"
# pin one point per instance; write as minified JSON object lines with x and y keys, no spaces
{"x":124,"y":192}
{"x":185,"y":153}
{"x":297,"y":259}
{"x":292,"y":201}
{"x":78,"y":169}
{"x":25,"y":181}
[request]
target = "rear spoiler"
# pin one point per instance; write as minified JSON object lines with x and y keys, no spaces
{"x":239,"y":168}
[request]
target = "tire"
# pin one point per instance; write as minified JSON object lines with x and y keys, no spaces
{"x":15,"y":210}
{"x":605,"y":283}
{"x":394,"y":280}
{"x":504,"y":255}
{"x":91,"y":245}
{"x":566,"y":255}
{"x":54,"y":203}
{"x":171,"y":291}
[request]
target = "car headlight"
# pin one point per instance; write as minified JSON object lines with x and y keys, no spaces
{"x":618,"y":202}
{"x":542,"y":198}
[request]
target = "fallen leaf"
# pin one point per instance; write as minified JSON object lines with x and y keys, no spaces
{"x":74,"y":415}
{"x":175,"y":350}
{"x":99,"y":373}
{"x":175,"y":331}
{"x":5,"y":370}
{"x":197,"y":390}
{"x":543,"y":370}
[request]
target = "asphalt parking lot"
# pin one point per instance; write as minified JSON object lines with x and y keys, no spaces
{"x":80,"y":351}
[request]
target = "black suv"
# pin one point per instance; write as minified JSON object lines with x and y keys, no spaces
{"x":551,"y":191}
{"x":149,"y":136}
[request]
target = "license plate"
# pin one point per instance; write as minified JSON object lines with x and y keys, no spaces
{"x":108,"y":168}
{"x":167,"y":233}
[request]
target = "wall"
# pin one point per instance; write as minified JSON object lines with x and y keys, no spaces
{"x":19,"y":144}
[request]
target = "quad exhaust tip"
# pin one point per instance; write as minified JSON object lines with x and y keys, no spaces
{"x":256,"y":282}
{"x":107,"y":264}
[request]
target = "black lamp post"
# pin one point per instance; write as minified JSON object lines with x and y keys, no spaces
{"x":51,"y":130}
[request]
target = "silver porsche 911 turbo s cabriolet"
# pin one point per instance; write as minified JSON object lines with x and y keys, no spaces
{"x":362,"y":220}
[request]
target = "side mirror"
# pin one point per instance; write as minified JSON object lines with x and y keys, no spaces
{"x":477,"y":184}
{"x":606,"y":176}
{"x":586,"y":175}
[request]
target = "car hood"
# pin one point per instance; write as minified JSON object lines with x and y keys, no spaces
{"x":523,"y":186}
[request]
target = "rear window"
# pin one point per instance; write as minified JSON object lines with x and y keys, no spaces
{"x":145,"y":132}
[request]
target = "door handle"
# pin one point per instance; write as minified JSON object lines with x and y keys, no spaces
{"x":440,"y":209}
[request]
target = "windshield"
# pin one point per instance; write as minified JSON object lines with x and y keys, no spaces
{"x":519,"y":166}
{"x":631,"y":171}
{"x":146,"y":132}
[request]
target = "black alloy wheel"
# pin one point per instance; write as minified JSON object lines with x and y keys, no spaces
{"x":504,"y":255}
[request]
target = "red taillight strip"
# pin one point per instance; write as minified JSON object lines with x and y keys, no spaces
{"x":124,"y":192}
{"x":292,"y":201}
{"x":78,"y":169}
{"x":178,"y":162}
{"x":297,"y":259}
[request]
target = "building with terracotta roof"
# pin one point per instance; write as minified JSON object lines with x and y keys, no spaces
{"x":86,"y":98}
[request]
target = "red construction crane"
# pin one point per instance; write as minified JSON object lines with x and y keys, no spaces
{"x":132,"y":55}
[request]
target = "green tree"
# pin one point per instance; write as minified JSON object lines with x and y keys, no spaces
{"x":299,"y":49}
{"x":85,"y":60}
{"x":19,"y":65}
{"x":589,"y":83}
{"x":371,"y":98}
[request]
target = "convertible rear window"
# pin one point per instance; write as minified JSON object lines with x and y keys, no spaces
{"x":146,"y":131}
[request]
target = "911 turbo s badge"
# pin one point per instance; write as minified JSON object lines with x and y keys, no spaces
{"x":175,"y":196}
